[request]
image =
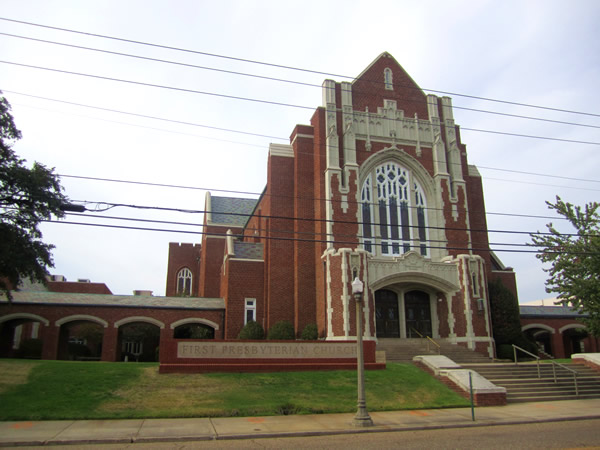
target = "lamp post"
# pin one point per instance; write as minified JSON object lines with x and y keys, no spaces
{"x":362,"y":418}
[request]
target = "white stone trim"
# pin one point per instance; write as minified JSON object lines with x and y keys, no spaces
{"x":85,"y":317}
{"x":144,"y":319}
{"x":300,"y":135}
{"x":284,"y":150}
{"x":210,"y":323}
{"x":572,"y":326}
{"x":246,"y":260}
{"x":538,"y":325}
{"x":29,"y":316}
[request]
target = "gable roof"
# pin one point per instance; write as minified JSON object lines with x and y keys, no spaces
{"x":240,"y":209}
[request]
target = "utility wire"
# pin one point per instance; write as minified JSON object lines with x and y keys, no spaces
{"x":313,"y":233}
{"x":163,"y":119}
{"x":110,"y":205}
{"x":272,"y":137}
{"x":227,"y":191}
{"x":323,"y":241}
{"x":281,"y":80}
{"x":268,"y":102}
{"x":281,"y":66}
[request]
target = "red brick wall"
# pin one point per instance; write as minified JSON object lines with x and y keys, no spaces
{"x":181,"y":256}
{"x":304,"y":212}
{"x":78,"y":287}
{"x":110,"y":350}
{"x":369,"y":90}
{"x":242,"y":279}
{"x":280,"y":246}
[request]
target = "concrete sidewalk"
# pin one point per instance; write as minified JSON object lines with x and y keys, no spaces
{"x":172,"y":430}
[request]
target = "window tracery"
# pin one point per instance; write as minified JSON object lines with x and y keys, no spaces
{"x":184,"y":282}
{"x":393,"y":214}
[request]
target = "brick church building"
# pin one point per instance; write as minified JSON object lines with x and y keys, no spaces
{"x":378,"y":187}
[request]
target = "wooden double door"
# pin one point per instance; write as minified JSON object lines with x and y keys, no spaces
{"x":417,"y":314}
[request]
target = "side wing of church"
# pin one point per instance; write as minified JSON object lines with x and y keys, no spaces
{"x":378,"y":187}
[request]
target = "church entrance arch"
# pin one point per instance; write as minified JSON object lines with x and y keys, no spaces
{"x":387,"y":320}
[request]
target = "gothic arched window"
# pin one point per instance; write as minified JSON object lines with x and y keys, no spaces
{"x":387,"y":78}
{"x":184,"y":282}
{"x":393,"y":214}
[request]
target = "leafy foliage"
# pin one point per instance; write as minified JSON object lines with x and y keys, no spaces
{"x":27,"y":197}
{"x":310,"y":332}
{"x":282,"y":330}
{"x":252,"y":331}
{"x":506,"y":320}
{"x":574,"y":260}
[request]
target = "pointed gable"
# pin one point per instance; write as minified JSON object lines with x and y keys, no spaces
{"x":385,"y":79}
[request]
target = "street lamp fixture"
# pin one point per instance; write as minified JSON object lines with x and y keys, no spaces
{"x":362,"y":418}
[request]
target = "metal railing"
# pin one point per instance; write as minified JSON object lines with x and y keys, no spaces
{"x":429,"y":341}
{"x":554,"y":364}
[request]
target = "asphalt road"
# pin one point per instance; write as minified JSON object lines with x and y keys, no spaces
{"x":572,"y":434}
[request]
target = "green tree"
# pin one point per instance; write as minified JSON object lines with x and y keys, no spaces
{"x":574,"y":260}
{"x":506,"y":320}
{"x":27,"y":197}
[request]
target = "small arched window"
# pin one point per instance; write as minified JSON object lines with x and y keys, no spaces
{"x":184,"y":282}
{"x":387,"y":78}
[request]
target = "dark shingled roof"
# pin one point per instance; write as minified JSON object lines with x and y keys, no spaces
{"x":124,"y":301}
{"x":248,"y":250}
{"x":549,"y":311}
{"x":242,"y":207}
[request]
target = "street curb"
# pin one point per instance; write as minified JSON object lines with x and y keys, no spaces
{"x":267,"y":435}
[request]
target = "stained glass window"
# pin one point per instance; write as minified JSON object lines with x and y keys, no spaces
{"x":387,"y":201}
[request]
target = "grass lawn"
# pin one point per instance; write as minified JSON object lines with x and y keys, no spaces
{"x":52,"y":390}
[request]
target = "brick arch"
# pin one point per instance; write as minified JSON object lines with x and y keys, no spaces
{"x":27,"y":316}
{"x":85,"y":317}
{"x":144,"y":319}
{"x":540,"y":326}
{"x":572,"y":326}
{"x":199,"y":320}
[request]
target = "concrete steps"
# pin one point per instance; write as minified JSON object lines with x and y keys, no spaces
{"x":403,"y":350}
{"x":523,"y":385}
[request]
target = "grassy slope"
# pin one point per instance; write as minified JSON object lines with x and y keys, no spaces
{"x":84,"y":390}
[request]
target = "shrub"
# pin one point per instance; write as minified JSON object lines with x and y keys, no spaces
{"x":283,"y":330}
{"x":252,"y":331}
{"x":310,"y":332}
{"x":505,"y":351}
{"x":30,"y":349}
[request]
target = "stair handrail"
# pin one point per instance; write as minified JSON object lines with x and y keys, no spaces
{"x":575,"y":373}
{"x":554,"y":363}
{"x":516,"y":347}
{"x":429,"y":339}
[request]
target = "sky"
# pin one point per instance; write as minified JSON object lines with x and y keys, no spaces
{"x":187,"y":122}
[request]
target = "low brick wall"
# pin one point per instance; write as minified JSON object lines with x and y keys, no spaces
{"x":203,"y":356}
{"x":479,"y":399}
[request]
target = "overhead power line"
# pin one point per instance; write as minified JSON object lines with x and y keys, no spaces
{"x":282,"y":238}
{"x":281,"y":66}
{"x":145,"y":116}
{"x":110,"y":205}
{"x":278,"y":138}
{"x":281,"y":80}
{"x":249,"y":99}
{"x":228,"y":191}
